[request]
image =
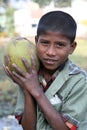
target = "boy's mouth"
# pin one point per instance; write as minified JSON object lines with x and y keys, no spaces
{"x":50,"y":61}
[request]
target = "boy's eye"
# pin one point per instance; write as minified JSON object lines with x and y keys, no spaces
{"x":44,"y":42}
{"x":60,"y":44}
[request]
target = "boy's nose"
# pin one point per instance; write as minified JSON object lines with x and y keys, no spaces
{"x":51,"y":51}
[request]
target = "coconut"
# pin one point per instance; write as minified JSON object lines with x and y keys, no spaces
{"x":17,"y":48}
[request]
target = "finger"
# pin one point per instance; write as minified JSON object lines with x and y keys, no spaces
{"x":8,"y":72}
{"x":26,"y":64}
{"x":7,"y":59}
{"x":33,"y":59}
{"x":16,"y":77}
{"x":6,"y":69}
{"x":18,"y":70}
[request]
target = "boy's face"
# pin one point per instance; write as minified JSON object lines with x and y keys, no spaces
{"x":53,"y":49}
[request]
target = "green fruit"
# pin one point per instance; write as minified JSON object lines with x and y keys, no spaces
{"x":16,"y":49}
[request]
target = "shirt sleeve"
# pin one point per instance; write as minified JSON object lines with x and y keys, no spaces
{"x":74,"y":109}
{"x":19,"y":108}
{"x":68,"y":124}
{"x":71,"y":126}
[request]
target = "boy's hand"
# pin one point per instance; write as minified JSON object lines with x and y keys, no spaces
{"x":27,"y":80}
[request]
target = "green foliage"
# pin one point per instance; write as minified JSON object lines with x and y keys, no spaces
{"x":62,"y":3}
{"x":9,"y":19}
{"x":8,"y":97}
{"x":8,"y":90}
{"x":80,"y":54}
{"x":42,"y":3}
{"x":57,"y":3}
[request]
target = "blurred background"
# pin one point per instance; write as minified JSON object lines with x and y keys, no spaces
{"x":20,"y":18}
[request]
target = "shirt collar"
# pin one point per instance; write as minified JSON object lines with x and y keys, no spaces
{"x":42,"y":80}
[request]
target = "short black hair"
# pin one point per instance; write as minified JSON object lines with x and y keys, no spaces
{"x":58,"y":21}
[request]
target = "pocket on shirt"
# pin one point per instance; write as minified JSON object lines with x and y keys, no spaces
{"x":56,"y":102}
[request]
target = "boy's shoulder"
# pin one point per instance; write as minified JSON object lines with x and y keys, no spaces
{"x":75,"y":70}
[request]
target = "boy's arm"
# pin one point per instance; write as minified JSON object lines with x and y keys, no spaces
{"x":29,"y":81}
{"x":52,"y":116}
{"x":28,"y":120}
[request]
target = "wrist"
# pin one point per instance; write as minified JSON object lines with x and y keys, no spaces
{"x":37,"y":94}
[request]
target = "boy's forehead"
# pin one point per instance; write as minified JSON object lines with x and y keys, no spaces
{"x":54,"y":35}
{"x":48,"y":32}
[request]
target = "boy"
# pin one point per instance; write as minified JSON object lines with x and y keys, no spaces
{"x":55,"y":97}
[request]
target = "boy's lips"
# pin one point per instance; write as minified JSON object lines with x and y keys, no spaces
{"x":50,"y":61}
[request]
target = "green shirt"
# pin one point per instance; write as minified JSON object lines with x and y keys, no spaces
{"x":68,"y":95}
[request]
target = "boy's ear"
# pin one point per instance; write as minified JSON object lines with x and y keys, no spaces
{"x":73,"y":46}
{"x":36,"y":39}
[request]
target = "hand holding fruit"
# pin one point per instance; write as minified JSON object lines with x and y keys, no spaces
{"x":18,"y":64}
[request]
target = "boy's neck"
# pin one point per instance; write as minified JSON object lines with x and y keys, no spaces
{"x":48,"y":73}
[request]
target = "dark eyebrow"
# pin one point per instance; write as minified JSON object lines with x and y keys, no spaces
{"x":45,"y":40}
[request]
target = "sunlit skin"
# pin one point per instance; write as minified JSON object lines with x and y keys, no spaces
{"x":53,"y":49}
